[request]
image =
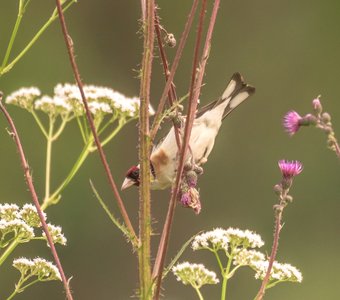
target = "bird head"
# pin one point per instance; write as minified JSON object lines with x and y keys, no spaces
{"x":131,"y":178}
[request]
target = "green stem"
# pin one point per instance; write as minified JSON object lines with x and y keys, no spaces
{"x":48,"y":157}
{"x":14,"y":34}
{"x":8,"y":251}
{"x":81,"y":128}
{"x":37,"y":119}
{"x":225,"y":278}
{"x":199,"y":294}
{"x":20,"y":289}
{"x":218,"y":261}
{"x":61,"y":128}
{"x":53,"y":17}
{"x":83,"y":155}
{"x":121,"y":123}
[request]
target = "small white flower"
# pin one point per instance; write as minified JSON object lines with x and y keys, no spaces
{"x":244,"y":238}
{"x":56,"y":234}
{"x":19,"y":227}
{"x":215,"y":239}
{"x":99,"y":108}
{"x":247,"y":257}
{"x":9,"y":212}
{"x":23,"y":264}
{"x":53,"y":106}
{"x":45,"y":270}
{"x":279,"y":272}
{"x":194,"y":274}
{"x":29,"y":214}
{"x":39,"y":267}
{"x":24,"y":97}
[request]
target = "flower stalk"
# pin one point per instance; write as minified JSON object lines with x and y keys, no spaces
{"x":288,"y":170}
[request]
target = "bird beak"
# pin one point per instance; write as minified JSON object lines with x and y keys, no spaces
{"x":127,"y":183}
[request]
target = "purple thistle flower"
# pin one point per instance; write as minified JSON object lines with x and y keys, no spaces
{"x":185,"y":199}
{"x":289,"y":169}
{"x":291,"y":122}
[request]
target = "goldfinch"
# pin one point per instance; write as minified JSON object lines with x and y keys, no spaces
{"x":208,"y":120}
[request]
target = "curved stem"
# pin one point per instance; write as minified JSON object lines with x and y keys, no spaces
{"x":199,"y":294}
{"x":112,"y":135}
{"x":8,"y":251}
{"x":83,"y":155}
{"x":61,"y":128}
{"x":219,"y":261}
{"x":14,"y":34}
{"x":54,"y":16}
{"x":41,"y":126}
{"x":48,"y":157}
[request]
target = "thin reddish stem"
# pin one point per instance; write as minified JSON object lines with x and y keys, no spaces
{"x":278,"y":226}
{"x":35,"y":199}
{"x":193,"y":102}
{"x":70,"y":50}
{"x":158,"y":115}
{"x":172,"y":97}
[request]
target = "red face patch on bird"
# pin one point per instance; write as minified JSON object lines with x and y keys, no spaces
{"x":133,"y":174}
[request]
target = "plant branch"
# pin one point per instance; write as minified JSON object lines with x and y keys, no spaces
{"x":35,"y":199}
{"x":144,"y":153}
{"x":172,"y":97}
{"x":70,"y":51}
{"x":158,"y":114}
{"x":193,"y":101}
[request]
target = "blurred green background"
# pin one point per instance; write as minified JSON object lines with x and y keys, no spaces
{"x":289,"y":50}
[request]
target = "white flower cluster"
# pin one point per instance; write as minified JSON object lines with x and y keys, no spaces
{"x":24,"y":97}
{"x":194,"y":274}
{"x":21,"y":223}
{"x":215,"y":239}
{"x":56,"y":234}
{"x":247,"y":257}
{"x":29,"y":214}
{"x":39,"y":267}
{"x":222,"y":239}
{"x":245,"y":238}
{"x":67,"y":100}
{"x":21,"y":230}
{"x":279,"y":272}
{"x":9,"y":212}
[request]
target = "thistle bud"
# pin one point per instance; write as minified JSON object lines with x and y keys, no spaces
{"x":317,"y":105}
{"x":277,"y":189}
{"x":170,"y":40}
{"x":326,"y":117}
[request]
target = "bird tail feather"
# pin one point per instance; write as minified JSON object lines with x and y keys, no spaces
{"x":235,"y":93}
